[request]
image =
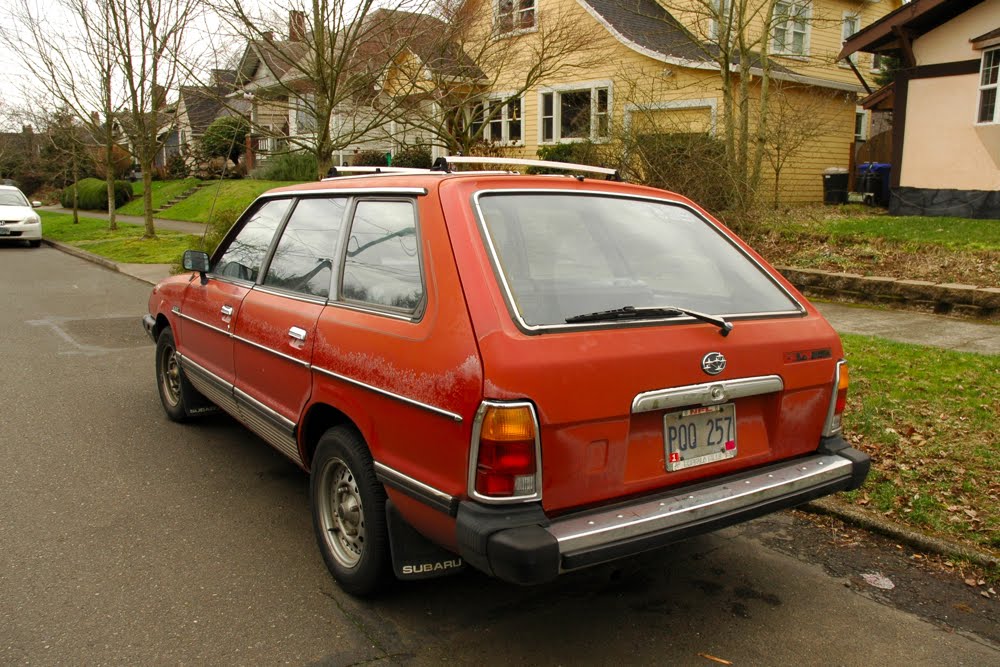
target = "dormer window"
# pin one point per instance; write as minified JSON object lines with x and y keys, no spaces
{"x":515,"y":15}
{"x":791,"y":27}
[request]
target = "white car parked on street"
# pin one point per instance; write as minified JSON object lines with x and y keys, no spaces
{"x":18,"y":222}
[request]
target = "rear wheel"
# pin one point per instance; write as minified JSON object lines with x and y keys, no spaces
{"x":348,"y":510}
{"x":35,"y":243}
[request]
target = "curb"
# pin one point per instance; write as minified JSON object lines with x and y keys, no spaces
{"x":899,"y":533}
{"x":91,"y":257}
{"x":939,"y":298}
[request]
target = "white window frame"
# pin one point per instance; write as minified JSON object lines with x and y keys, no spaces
{"x":504,"y":118}
{"x":710,"y":103}
{"x":989,"y":86}
{"x":801,"y":9}
{"x":865,"y":123}
{"x":515,"y":12}
{"x":557,"y":92}
{"x":844,"y":35}
{"x":713,"y":25}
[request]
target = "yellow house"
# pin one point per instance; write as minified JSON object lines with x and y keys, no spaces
{"x":653,"y":67}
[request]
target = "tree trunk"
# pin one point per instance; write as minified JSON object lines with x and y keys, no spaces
{"x":76,"y":191}
{"x":147,"y":198}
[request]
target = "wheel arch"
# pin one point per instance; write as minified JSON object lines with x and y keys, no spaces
{"x":318,"y":419}
{"x":161,"y":323}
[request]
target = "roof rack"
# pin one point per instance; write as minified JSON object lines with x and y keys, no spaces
{"x":337,"y":171}
{"x":443,"y":164}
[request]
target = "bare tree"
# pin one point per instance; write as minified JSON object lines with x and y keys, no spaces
{"x":73,"y":64}
{"x":329,"y":69}
{"x":447,"y":79}
{"x":147,"y":44}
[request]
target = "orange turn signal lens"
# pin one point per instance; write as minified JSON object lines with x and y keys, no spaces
{"x":844,"y":378}
{"x":503,"y":424}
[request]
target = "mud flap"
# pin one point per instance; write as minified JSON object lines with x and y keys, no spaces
{"x":413,"y":555}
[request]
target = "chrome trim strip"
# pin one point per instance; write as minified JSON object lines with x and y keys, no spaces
{"x":304,"y":364}
{"x":268,"y":424}
{"x":524,"y":326}
{"x":477,"y":428}
{"x":708,"y":393}
{"x":204,"y":324}
{"x":678,"y":508}
{"x":358,"y":383}
{"x":287,"y":294}
{"x":828,"y":428}
{"x":269,"y":413}
{"x":371,"y":311}
{"x":338,"y":192}
{"x":416,"y":489}
{"x":211,"y":385}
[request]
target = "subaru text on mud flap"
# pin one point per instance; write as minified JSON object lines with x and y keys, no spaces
{"x":525,"y":374}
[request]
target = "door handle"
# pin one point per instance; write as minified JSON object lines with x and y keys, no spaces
{"x":227,"y":311}
{"x":298,"y":333}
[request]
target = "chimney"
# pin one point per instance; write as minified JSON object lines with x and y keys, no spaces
{"x":159,"y":97}
{"x":296,"y":26}
{"x":95,"y":118}
{"x":26,"y":129}
{"x":267,"y":36}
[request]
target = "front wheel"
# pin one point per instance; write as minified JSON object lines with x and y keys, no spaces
{"x":175,"y":390}
{"x":348,"y":510}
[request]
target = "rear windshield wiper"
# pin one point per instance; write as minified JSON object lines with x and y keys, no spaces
{"x":650,"y":312}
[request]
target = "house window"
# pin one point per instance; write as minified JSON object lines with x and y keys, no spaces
{"x":877,"y":62}
{"x":575,"y":114}
{"x":851,"y":24}
{"x":500,"y":119}
{"x":305,"y":119}
{"x":791,"y":27}
{"x":861,"y":121}
{"x":515,"y":15}
{"x":720,"y":19}
{"x":988,"y":87}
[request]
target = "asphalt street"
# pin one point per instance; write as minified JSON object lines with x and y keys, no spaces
{"x":128,"y":539}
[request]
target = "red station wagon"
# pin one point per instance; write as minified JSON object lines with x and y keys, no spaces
{"x":524,"y":374}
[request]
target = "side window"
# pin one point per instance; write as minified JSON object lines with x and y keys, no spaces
{"x":382,"y":265}
{"x":303,"y":260}
{"x":244,"y":255}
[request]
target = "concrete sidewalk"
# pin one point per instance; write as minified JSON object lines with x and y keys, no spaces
{"x":172,"y":225}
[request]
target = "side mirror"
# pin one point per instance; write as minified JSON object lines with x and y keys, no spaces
{"x":195,"y":260}
{"x":36,"y":204}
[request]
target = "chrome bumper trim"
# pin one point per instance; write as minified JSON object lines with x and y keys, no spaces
{"x":589,"y":530}
{"x":708,"y":393}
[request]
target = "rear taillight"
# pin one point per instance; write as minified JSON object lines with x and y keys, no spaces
{"x":838,"y":401}
{"x":505,"y":453}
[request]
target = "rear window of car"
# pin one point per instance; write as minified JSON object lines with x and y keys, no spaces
{"x":560,"y":255}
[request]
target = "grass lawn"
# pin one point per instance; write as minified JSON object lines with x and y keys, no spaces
{"x":162,"y":191}
{"x":929,"y":418}
{"x":857,"y":239}
{"x":123,"y":245}
{"x":231,"y":196}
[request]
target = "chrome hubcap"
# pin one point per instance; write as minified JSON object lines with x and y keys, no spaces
{"x":170,"y":376}
{"x":341,"y":513}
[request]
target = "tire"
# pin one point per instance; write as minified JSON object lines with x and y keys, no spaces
{"x":34,"y":244}
{"x":348,"y":511}
{"x":175,"y":390}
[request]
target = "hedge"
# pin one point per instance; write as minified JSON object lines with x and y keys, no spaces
{"x":93,"y":194}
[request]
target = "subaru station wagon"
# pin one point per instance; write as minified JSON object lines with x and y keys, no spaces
{"x":523,"y":374}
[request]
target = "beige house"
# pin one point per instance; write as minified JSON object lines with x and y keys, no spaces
{"x":657,"y":71}
{"x":946,"y":115}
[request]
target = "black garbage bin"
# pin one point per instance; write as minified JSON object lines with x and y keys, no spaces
{"x":835,"y":185}
{"x":873,"y":182}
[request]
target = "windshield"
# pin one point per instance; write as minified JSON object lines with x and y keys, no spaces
{"x":12,"y":198}
{"x":563,"y":254}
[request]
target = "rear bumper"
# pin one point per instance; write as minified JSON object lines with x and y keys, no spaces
{"x":524,"y":547}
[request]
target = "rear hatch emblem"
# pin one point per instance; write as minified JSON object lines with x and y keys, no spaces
{"x":713,"y":363}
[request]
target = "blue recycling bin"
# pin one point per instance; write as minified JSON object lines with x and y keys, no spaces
{"x":873,"y":179}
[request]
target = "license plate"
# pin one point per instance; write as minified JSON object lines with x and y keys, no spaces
{"x":700,"y":435}
{"x":4,"y":231}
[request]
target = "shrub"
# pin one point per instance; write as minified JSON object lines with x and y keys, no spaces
{"x":93,"y":194}
{"x":177,"y":167}
{"x":221,"y":220}
{"x":690,"y":164}
{"x":370,"y":158}
{"x":298,"y":166}
{"x":226,"y":137}
{"x":415,"y":157}
{"x":583,"y":152}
